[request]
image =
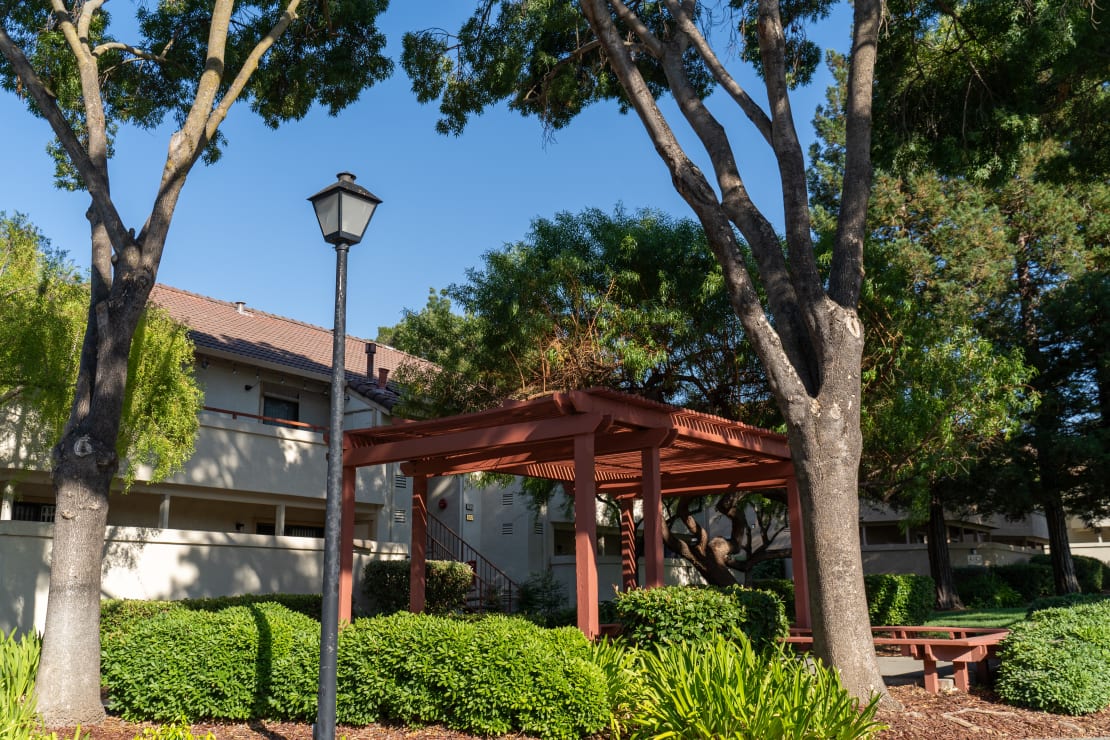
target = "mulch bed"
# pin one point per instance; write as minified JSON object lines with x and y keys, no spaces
{"x":925,"y":716}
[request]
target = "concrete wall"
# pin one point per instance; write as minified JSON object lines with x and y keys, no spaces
{"x":914,"y":558}
{"x":169,"y":564}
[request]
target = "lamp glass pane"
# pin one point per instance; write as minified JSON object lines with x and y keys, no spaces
{"x":356,"y":214}
{"x":327,"y":213}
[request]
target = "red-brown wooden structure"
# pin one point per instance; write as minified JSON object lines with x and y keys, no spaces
{"x":592,"y":441}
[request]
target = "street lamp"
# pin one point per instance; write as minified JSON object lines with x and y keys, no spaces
{"x":344,"y":210}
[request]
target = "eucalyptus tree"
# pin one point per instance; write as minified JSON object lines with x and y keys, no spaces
{"x":187,"y":61}
{"x":552,"y":59}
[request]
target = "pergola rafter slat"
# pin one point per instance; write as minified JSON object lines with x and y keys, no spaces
{"x":592,"y":440}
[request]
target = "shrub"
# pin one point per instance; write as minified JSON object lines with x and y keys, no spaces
{"x":1088,"y":571}
{"x":1059,"y":660}
{"x":620,"y":664}
{"x":674,"y":614}
{"x":781,"y":587}
{"x":240,"y":663}
{"x":773,"y":569}
{"x":894,"y":599}
{"x":723,"y":689}
{"x":543,"y":599}
{"x":120,"y":615}
{"x":1031,"y":580}
{"x":981,"y":588}
{"x":386,"y":585}
{"x":490,"y":676}
{"x":19,"y":662}
{"x":179,"y":730}
{"x":1054,"y":602}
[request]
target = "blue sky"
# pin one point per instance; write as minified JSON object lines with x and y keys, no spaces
{"x":244,"y":231}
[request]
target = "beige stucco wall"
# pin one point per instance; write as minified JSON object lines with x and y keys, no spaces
{"x":149,"y":563}
{"x":675,"y":572}
{"x":915,"y":558}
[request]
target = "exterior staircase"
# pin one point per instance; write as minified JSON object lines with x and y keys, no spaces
{"x":491,"y":589}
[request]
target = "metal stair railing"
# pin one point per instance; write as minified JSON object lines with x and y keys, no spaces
{"x":492,"y":589}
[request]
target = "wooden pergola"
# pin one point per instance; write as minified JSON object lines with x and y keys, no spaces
{"x":594,"y":442}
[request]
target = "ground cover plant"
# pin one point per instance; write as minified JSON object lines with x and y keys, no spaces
{"x":1059,"y":660}
{"x":723,"y":688}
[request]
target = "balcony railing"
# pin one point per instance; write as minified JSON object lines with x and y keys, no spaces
{"x":271,"y":420}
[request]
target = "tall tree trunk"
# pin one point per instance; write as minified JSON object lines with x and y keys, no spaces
{"x":1063,"y":567}
{"x":940,"y":560}
{"x":826,"y":444}
{"x":85,"y":463}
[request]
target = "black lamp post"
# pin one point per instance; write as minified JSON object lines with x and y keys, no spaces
{"x":344,"y":211}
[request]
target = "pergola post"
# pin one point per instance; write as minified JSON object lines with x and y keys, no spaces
{"x":585,"y":536}
{"x":653,"y":518}
{"x":418,"y":549}
{"x":630,"y":577}
{"x":798,"y":554}
{"x":347,"y":544}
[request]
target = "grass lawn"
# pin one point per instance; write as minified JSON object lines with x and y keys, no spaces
{"x":978,"y":617}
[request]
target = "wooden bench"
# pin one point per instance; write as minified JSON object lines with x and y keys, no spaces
{"x":962,"y":647}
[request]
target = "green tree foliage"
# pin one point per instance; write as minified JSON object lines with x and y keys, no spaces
{"x":41,"y":322}
{"x":967,"y":86}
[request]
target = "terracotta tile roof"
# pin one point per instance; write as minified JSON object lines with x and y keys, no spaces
{"x":255,"y":335}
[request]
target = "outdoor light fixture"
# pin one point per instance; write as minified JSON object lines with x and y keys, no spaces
{"x":344,"y":211}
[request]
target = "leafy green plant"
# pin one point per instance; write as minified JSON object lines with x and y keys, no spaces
{"x":1032,"y":580}
{"x":620,"y":664}
{"x":179,"y":730}
{"x":724,"y":689}
{"x":674,"y":614}
{"x":490,"y":676}
{"x":19,"y":661}
{"x":894,"y":599}
{"x":1088,"y":571}
{"x":1058,"y":660}
{"x":240,"y":663}
{"x":386,"y":586}
{"x":543,"y":599}
{"x":981,"y":588}
{"x":1054,"y":602}
{"x":120,"y":615}
{"x":781,"y":587}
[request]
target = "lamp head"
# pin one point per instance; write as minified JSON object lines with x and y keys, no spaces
{"x":344,"y":210}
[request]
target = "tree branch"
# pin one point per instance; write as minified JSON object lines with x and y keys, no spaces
{"x":846,"y":276}
{"x":133,"y":50}
{"x":740,"y":96}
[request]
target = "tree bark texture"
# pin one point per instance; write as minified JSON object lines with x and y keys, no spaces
{"x":940,"y":560}
{"x":1063,"y":567}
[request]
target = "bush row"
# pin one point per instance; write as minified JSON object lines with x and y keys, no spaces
{"x":674,"y":614}
{"x":897,"y":599}
{"x":386,"y":586}
{"x":491,"y":676}
{"x":1014,"y":584}
{"x":1058,"y":660}
{"x":120,"y":615}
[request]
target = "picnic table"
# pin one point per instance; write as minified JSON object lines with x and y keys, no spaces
{"x":960,"y":646}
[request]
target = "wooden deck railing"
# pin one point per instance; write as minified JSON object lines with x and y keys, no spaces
{"x":272,"y":420}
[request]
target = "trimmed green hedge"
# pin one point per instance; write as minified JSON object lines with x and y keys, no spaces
{"x":243,"y":662}
{"x":1055,"y":602}
{"x":1088,"y":571}
{"x":897,"y":599}
{"x":674,"y":614}
{"x":781,"y":587}
{"x":120,"y":615}
{"x":490,"y":676}
{"x":1031,"y":580}
{"x":386,"y":585}
{"x":982,"y":588}
{"x":1058,"y":660}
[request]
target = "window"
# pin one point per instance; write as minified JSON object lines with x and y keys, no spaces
{"x":28,"y":511}
{"x":291,"y":530}
{"x":277,"y":409}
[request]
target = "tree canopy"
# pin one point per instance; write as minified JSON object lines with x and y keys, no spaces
{"x":42,"y":319}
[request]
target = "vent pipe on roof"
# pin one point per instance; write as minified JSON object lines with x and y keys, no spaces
{"x":240,"y":307}
{"x":371,"y":348}
{"x":383,"y":376}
